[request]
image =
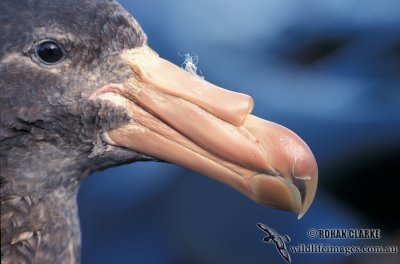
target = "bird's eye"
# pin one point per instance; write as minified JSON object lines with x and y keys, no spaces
{"x":49,"y":52}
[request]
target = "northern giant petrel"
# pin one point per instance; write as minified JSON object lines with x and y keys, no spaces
{"x":81,"y":91}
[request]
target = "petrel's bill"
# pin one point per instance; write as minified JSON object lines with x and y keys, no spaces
{"x":81,"y":91}
{"x":181,"y":118}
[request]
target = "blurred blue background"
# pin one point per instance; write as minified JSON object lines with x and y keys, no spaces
{"x":328,"y":70}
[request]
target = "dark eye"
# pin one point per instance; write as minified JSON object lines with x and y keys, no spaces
{"x":49,"y":52}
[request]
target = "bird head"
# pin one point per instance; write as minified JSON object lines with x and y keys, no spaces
{"x":78,"y":76}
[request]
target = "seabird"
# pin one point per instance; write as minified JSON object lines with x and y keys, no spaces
{"x":81,"y":91}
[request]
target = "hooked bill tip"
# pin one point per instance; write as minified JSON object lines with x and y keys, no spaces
{"x":280,"y":193}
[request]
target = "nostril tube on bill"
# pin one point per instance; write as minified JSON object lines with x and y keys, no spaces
{"x":165,"y":76}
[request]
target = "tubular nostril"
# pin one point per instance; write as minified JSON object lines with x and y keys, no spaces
{"x":239,"y":109}
{"x":170,"y":79}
